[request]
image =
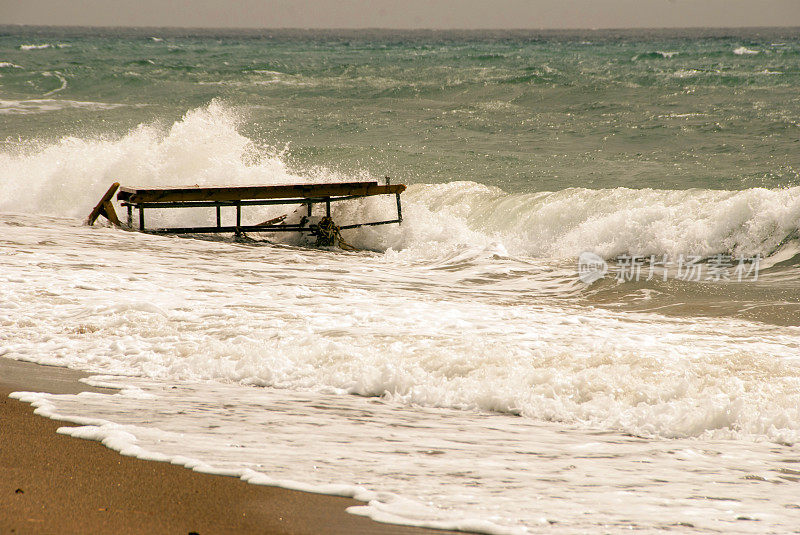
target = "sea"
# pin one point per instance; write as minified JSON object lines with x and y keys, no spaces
{"x":587,"y":322}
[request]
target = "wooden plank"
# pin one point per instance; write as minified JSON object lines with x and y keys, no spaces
{"x":131,"y":190}
{"x":249,"y":202}
{"x":101,"y":208}
{"x":110,"y":213}
{"x":236,"y":193}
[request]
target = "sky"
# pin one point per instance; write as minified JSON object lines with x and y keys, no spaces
{"x":436,"y":14}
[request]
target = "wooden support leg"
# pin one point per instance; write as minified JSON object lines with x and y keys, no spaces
{"x":219,"y":217}
{"x":141,"y":218}
{"x":111,"y":215}
{"x":238,"y":215}
{"x":328,"y":207}
{"x":399,"y":209}
{"x":105,"y":208}
{"x":130,"y":216}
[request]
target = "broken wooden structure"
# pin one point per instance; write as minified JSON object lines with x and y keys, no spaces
{"x":237,"y":197}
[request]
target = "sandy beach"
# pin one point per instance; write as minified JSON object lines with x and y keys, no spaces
{"x":52,"y":483}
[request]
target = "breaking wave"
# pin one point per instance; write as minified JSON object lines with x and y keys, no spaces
{"x":67,"y":177}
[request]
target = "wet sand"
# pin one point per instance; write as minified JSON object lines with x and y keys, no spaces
{"x":51,"y":483}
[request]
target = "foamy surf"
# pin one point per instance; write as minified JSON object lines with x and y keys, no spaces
{"x":341,"y":328}
{"x":271,"y":339}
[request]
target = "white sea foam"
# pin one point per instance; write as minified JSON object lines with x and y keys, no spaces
{"x":9,"y":65}
{"x":744,"y":51}
{"x":44,"y":46}
{"x":61,"y":79}
{"x":287,"y":318}
{"x":380,"y":505}
{"x":438,"y":467}
{"x":34,"y":47}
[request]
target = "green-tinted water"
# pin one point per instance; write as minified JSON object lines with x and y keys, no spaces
{"x":524,"y":111}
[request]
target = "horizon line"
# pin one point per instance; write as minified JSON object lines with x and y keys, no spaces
{"x":380,"y":28}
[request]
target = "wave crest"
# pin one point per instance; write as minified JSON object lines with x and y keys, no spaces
{"x":206,"y":147}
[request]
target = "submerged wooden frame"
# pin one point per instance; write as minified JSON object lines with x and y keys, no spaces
{"x":239,"y":196}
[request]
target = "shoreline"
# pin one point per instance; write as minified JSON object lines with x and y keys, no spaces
{"x":56,"y":483}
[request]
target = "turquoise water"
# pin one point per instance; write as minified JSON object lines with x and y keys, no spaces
{"x":523,"y":111}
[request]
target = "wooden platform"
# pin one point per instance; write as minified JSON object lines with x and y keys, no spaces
{"x":241,"y":193}
{"x":240,"y":196}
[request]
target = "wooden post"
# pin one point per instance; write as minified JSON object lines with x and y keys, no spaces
{"x":219,"y":217}
{"x":328,"y":207}
{"x":130,"y":216}
{"x":105,"y":208}
{"x":238,"y":215}
{"x":399,"y":210}
{"x":141,"y":218}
